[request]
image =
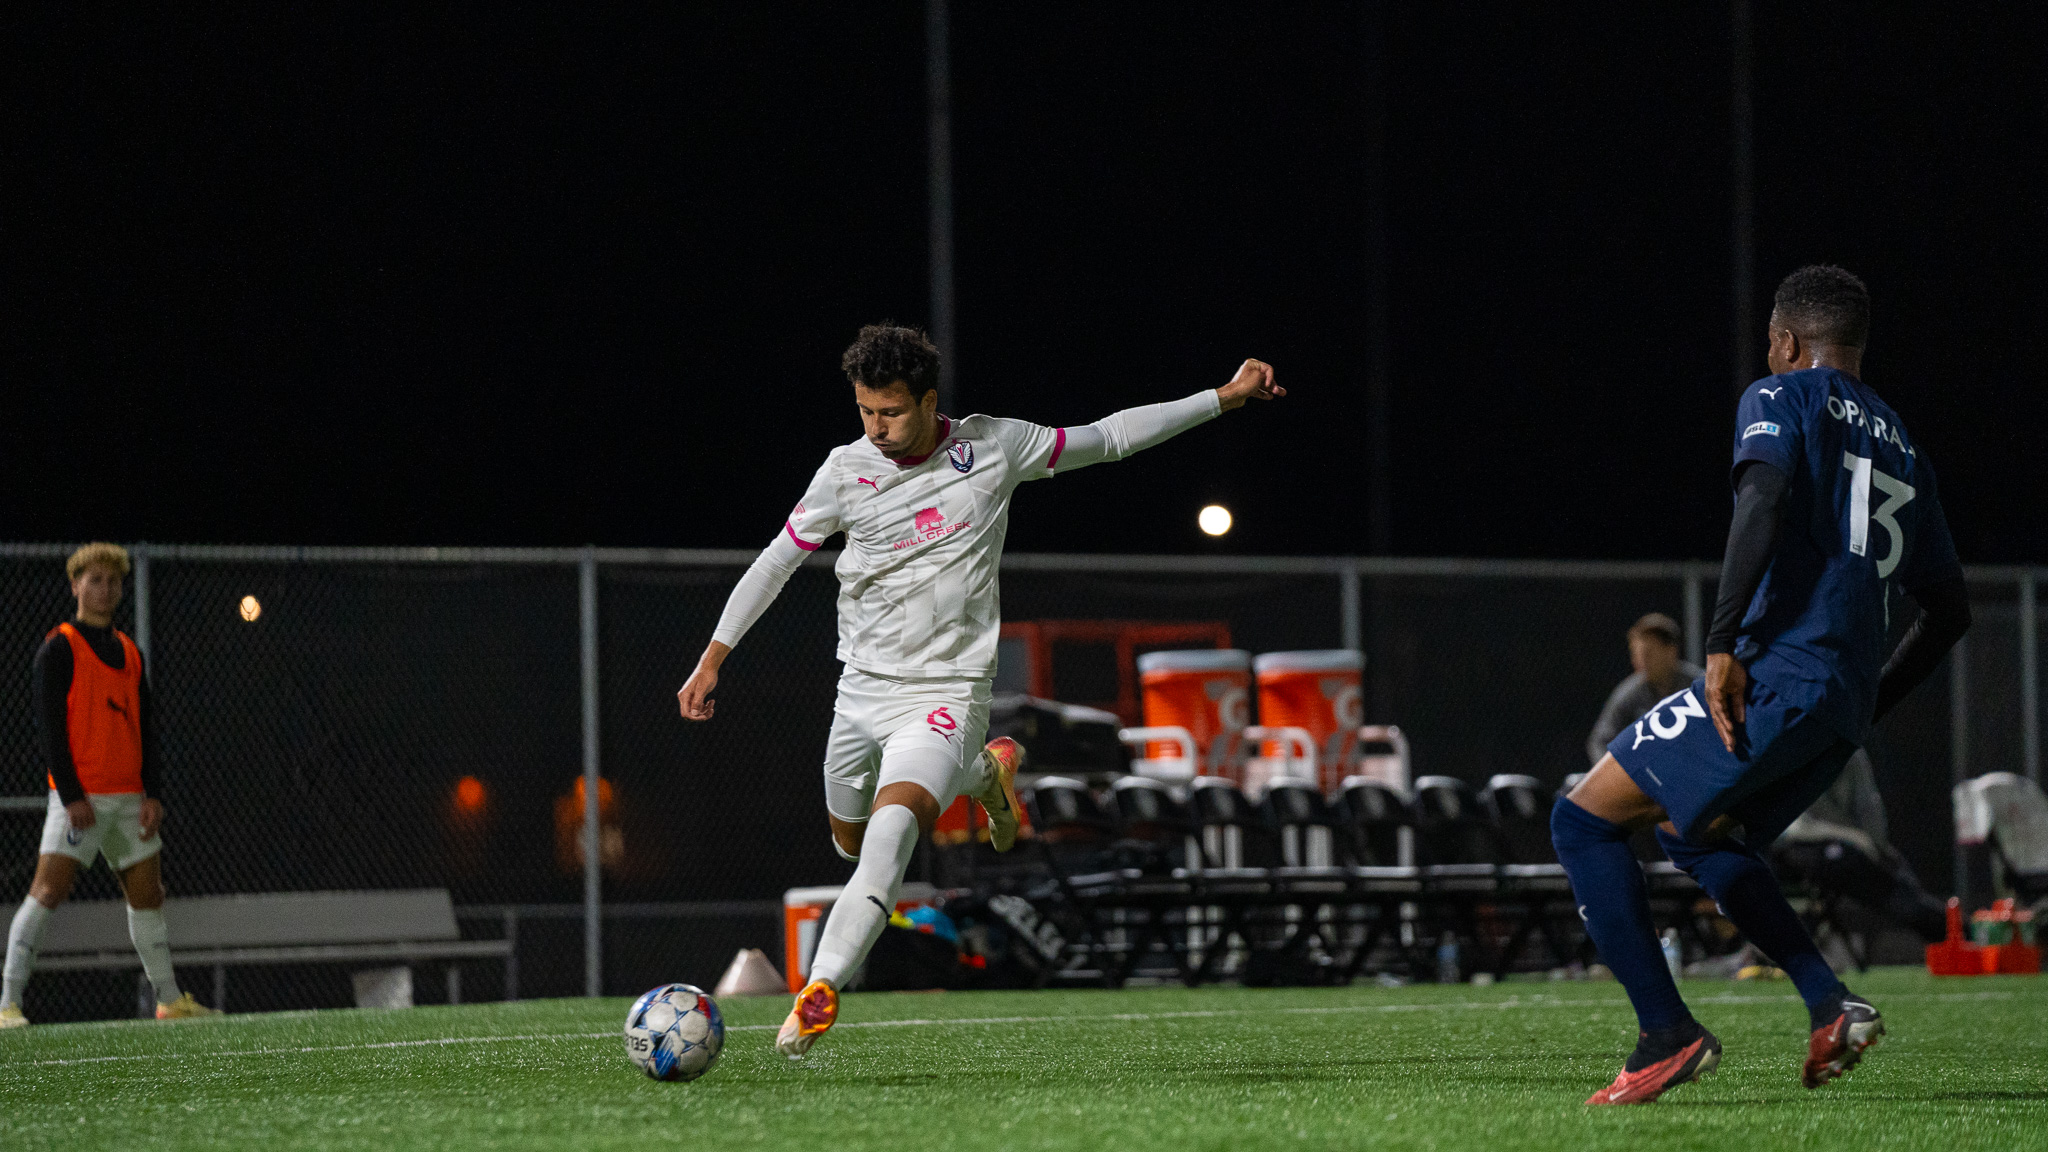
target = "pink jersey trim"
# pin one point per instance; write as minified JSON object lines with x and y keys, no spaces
{"x":945,"y":430}
{"x":800,"y":541}
{"x":1059,"y":445}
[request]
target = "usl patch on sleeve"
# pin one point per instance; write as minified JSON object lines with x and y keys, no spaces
{"x":1760,"y":428}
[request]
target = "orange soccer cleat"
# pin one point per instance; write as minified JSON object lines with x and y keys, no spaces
{"x":1004,"y":757}
{"x":817,"y":1007}
{"x":1653,"y":1080}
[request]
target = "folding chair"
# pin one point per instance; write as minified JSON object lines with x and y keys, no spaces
{"x":1460,"y":851}
{"x":1156,"y":890}
{"x":1519,"y":807}
{"x":1072,"y":833}
{"x":1374,"y":817}
{"x":1308,"y":883}
{"x":1231,"y":834}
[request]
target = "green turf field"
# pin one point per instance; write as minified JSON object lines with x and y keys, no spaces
{"x":1965,"y":1066}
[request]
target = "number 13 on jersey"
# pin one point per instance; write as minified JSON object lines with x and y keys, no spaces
{"x":1863,"y":476}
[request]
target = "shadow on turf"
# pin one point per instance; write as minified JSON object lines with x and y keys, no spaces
{"x":1986,"y":1097}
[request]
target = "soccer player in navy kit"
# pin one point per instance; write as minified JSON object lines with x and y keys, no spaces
{"x":1835,"y":517}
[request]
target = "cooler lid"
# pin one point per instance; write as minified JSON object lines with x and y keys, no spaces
{"x":1196,"y":660}
{"x":1313,"y":660}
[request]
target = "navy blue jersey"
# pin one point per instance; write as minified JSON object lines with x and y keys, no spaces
{"x":1860,"y":523}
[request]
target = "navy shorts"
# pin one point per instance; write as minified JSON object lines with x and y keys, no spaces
{"x":1784,"y":758}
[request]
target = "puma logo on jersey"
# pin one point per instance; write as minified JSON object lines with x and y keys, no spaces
{"x":116,"y":706}
{"x":868,"y":482}
{"x":941,"y":721}
{"x":1771,"y":392}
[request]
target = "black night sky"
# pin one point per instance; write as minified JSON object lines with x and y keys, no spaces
{"x":513,"y":275}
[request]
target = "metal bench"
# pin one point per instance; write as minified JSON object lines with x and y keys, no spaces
{"x":405,"y":925}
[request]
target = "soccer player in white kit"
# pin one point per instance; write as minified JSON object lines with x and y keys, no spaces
{"x":924,"y":501}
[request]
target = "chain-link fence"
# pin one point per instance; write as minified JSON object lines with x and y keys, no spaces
{"x":415,"y":718}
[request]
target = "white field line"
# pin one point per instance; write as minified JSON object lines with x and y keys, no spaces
{"x":1538,"y":1001}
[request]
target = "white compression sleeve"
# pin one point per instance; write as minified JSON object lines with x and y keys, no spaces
{"x":1119,"y":434}
{"x":864,"y":905}
{"x":757,"y":589}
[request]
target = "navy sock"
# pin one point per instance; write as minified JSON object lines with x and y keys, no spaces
{"x":1743,"y":885}
{"x":1615,"y":904}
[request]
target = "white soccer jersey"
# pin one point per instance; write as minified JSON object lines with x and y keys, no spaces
{"x":918,"y":596}
{"x":917,"y":582}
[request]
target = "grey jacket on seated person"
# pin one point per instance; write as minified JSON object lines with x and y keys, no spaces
{"x":1627,"y":703}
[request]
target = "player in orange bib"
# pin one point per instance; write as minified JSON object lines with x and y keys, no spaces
{"x":99,"y":740}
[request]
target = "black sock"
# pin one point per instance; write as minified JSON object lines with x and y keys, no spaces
{"x":1824,"y":1013}
{"x":1662,"y":1044}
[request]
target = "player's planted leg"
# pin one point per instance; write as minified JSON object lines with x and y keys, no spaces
{"x":1001,"y":761}
{"x":1671,"y":1047}
{"x":856,"y":922}
{"x":1750,"y":896}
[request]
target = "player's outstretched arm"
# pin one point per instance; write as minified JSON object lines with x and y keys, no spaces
{"x":1135,"y":429}
{"x":750,"y":597}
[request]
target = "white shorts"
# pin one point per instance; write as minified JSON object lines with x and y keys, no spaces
{"x":927,"y":732}
{"x":116,"y":832}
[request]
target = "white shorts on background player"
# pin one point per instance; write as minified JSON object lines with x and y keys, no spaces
{"x":888,"y":731}
{"x":116,"y":832}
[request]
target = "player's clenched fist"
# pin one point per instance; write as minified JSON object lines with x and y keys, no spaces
{"x":1254,"y":379}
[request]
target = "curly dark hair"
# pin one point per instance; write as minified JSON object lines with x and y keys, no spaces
{"x":1825,"y":304}
{"x":884,"y":353}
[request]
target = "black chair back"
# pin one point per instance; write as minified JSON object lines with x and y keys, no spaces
{"x":1519,"y":807}
{"x":1451,"y":827}
{"x":1297,"y":819}
{"x":1147,"y":810}
{"x":1293,"y":804}
{"x":1218,"y":801}
{"x":1232,"y":834}
{"x":1372,"y":813}
{"x":1063,"y":810}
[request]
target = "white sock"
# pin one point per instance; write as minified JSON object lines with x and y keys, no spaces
{"x":153,"y":944}
{"x":22,"y":938}
{"x":981,"y":778}
{"x":863,"y":909}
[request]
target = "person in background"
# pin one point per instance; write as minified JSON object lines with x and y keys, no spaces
{"x":1659,"y":671}
{"x":99,"y":744}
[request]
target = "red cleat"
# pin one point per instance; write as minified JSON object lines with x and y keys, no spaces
{"x":1647,"y":1083}
{"x":1838,"y":1045}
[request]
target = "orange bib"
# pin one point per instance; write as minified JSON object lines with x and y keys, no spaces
{"x":104,"y":716}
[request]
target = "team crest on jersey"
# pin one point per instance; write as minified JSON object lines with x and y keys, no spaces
{"x":961,"y":453}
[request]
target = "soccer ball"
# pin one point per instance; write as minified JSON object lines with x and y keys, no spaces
{"x":674,"y":1032}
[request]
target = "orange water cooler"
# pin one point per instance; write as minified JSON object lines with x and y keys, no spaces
{"x":1197,"y":705}
{"x":1317,"y":695}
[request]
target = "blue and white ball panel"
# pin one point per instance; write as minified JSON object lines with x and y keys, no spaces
{"x":1783,"y":756}
{"x":674,"y":1032}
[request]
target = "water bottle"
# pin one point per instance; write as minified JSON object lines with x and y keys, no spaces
{"x":1674,"y":955}
{"x":1447,"y":959}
